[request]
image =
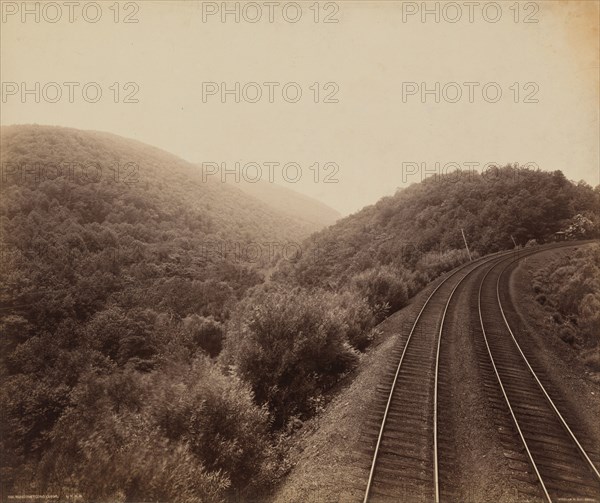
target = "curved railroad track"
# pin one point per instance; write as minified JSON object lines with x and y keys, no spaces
{"x":559,"y":465}
{"x":402,"y":427}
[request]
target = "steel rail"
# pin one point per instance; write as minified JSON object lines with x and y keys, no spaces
{"x":435,"y":386}
{"x":580,"y":448}
{"x":512,"y":414}
{"x":406,"y":345}
{"x":499,"y":256}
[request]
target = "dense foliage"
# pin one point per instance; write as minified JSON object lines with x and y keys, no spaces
{"x":293,"y":345}
{"x":119,"y":262}
{"x":421,"y":224}
{"x":569,"y":289}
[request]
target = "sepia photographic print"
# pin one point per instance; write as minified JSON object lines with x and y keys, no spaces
{"x":300,"y":251}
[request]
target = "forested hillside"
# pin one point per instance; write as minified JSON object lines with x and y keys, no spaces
{"x":425,"y":220}
{"x":83,"y":209}
{"x":118,"y":260}
{"x":141,"y":341}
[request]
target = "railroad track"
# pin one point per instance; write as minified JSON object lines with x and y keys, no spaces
{"x":402,"y":426}
{"x":551,"y":454}
{"x":402,"y":429}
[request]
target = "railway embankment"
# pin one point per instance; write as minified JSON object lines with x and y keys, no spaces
{"x":571,"y":362}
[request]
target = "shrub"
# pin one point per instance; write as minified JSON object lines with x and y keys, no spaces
{"x":435,"y":263}
{"x":383,"y":285}
{"x":124,"y":458}
{"x":122,"y":336}
{"x":185,"y":433}
{"x":291,"y":346}
{"x":358,"y":316}
{"x":205,"y":333}
{"x":569,"y":287}
{"x":216,"y":417}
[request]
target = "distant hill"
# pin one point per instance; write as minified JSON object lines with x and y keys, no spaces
{"x":310,"y":214}
{"x":408,"y":230}
{"x":128,"y":223}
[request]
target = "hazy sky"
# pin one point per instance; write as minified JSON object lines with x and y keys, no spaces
{"x":373,"y":53}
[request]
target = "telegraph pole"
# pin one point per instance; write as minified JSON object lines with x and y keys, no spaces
{"x":516,"y":247}
{"x":466,"y":245}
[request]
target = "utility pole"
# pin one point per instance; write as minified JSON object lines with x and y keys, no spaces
{"x":516,"y":247}
{"x":466,"y":245}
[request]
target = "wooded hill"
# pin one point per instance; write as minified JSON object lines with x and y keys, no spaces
{"x":424,"y":220}
{"x":120,"y":265}
{"x":88,"y":216}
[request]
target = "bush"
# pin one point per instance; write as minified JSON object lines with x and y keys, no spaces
{"x":383,"y":285}
{"x":125,"y":459}
{"x":589,"y":318}
{"x":291,"y":346}
{"x":205,"y":333}
{"x":433,"y":264}
{"x":215,"y":416}
{"x":123,"y":336}
{"x":359,"y":318}
{"x":186,"y":433}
